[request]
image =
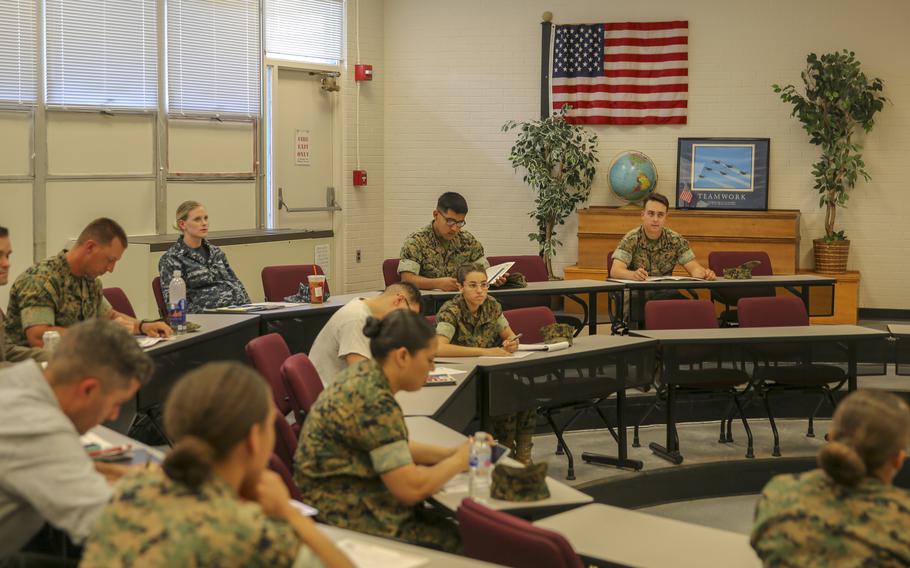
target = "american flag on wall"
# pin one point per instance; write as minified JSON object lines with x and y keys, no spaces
{"x":622,"y":73}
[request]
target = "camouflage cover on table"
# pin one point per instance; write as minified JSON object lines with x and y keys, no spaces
{"x":527,"y":483}
{"x":556,"y":332}
{"x":741,"y":272}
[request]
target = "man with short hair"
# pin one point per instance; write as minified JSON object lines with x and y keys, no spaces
{"x":10,"y":353}
{"x":654,"y":250}
{"x":65,"y":289}
{"x":430,"y":257}
{"x":342,"y":342}
{"x":46,"y":474}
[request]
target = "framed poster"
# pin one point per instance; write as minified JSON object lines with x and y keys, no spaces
{"x":722,"y":173}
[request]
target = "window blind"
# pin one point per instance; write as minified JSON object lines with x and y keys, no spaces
{"x":213,"y":56}
{"x":308,"y":30}
{"x":102,"y":53}
{"x":18,"y":51}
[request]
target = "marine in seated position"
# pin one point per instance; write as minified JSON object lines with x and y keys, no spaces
{"x":430,"y":257}
{"x":654,"y":250}
{"x":9,"y":352}
{"x":63,"y":290}
{"x":210,"y":280}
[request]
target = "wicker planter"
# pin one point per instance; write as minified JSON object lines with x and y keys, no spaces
{"x":831,"y":258}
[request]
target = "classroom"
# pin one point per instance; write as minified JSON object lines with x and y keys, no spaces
{"x":693,"y":345}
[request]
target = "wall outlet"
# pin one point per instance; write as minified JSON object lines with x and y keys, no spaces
{"x":357,"y":256}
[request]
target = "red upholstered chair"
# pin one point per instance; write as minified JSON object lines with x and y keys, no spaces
{"x":267,"y":353}
{"x":787,"y":367}
{"x":118,"y":300}
{"x":431,"y":319}
{"x":278,"y":282}
{"x":718,"y":260}
{"x":696,"y":379}
{"x":500,"y":538}
{"x":159,"y":296}
{"x":301,"y":379}
{"x":277,"y":465}
{"x":528,"y":321}
{"x":285,"y":441}
{"x":610,"y":261}
{"x":390,"y":271}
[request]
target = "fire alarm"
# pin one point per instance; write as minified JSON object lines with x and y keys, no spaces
{"x":363,"y":72}
{"x":360,"y":177}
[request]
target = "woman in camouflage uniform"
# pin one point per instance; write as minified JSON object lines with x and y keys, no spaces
{"x":355,"y":462}
{"x":472,"y":324}
{"x":213,"y":503}
{"x":847,"y":513}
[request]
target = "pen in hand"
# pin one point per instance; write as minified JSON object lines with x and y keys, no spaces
{"x":512,"y":339}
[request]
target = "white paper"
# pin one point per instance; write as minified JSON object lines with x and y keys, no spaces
{"x":323,"y":258}
{"x":369,"y":555}
{"x":494,"y":272}
{"x":516,"y":355}
{"x":302,"y":148}
{"x":558,"y":346}
{"x":446,"y":371}
{"x":92,"y":438}
{"x":275,"y":305}
{"x":145,"y":342}
{"x":657,"y":279}
{"x":458,"y":484}
{"x":303,"y":508}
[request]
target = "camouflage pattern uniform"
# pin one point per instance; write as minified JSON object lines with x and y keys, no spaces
{"x":10,"y":353}
{"x":49,"y":294}
{"x":456,"y":322}
{"x":210,"y":280}
{"x":155,"y":521}
{"x":352,"y":435}
{"x":809,"y":520}
{"x":427,"y":255}
{"x":659,"y":257}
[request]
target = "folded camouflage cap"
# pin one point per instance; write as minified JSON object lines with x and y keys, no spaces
{"x":741,"y":272}
{"x":303,"y":294}
{"x":516,"y":483}
{"x":556,"y":332}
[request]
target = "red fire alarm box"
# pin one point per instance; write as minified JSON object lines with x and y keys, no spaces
{"x":360,"y":177}
{"x":363,"y":73}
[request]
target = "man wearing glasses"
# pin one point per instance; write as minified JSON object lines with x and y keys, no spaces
{"x":430,"y":257}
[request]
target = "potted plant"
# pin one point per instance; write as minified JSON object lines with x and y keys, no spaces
{"x":838,"y":100}
{"x":559,"y":162}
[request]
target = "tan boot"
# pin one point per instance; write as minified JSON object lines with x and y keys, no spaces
{"x":524,"y":442}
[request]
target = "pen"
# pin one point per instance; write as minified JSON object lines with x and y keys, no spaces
{"x":113,"y":450}
{"x":515,"y":338}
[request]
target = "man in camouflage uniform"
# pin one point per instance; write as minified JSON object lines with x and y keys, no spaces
{"x":63,"y":290}
{"x":810,"y":520}
{"x":10,"y":353}
{"x":354,"y":434}
{"x":430,"y":257}
{"x":482,"y":329}
{"x":210,"y":280}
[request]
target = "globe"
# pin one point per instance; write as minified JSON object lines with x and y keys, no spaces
{"x":633,"y":176}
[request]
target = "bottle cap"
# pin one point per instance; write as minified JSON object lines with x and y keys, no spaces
{"x":177,"y":274}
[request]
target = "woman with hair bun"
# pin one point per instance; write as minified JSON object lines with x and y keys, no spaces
{"x":847,"y":513}
{"x":355,"y":462}
{"x":213,"y":503}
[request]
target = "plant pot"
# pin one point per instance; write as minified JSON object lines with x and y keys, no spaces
{"x":831,"y":258}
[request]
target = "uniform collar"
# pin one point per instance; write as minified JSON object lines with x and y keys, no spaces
{"x":187,"y":251}
{"x":651,"y":244}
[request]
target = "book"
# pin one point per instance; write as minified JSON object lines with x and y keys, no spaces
{"x":657,"y":279}
{"x":439,"y":380}
{"x":494,"y":272}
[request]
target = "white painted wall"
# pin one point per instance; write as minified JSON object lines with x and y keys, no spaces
{"x":455,"y":71}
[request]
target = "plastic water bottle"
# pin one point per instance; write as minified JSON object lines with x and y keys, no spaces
{"x":480,"y":467}
{"x":176,"y":308}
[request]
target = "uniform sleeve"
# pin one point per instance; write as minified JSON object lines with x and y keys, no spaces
{"x":446,"y":322}
{"x":36,"y":302}
{"x":501,"y":323}
{"x":382,"y":433}
{"x":625,"y":249}
{"x":684,"y":253}
{"x":167,"y":264}
{"x":244,"y":297}
{"x":277,"y":544}
{"x":477,"y":255}
{"x":104,"y":307}
{"x":410,"y":257}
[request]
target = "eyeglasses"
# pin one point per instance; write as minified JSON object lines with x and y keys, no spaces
{"x":477,"y":285}
{"x":452,"y":222}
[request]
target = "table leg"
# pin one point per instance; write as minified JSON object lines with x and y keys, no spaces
{"x":670,"y":451}
{"x":622,"y":459}
{"x":592,"y":313}
{"x":851,"y":366}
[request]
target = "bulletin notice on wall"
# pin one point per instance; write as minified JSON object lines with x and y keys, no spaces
{"x":302,"y":148}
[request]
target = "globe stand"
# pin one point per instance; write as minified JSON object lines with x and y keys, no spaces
{"x":636,"y":205}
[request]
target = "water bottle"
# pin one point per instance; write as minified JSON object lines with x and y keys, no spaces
{"x":481,"y":467}
{"x":51,"y":339}
{"x":176,"y":308}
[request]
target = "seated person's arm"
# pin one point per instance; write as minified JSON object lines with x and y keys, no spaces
{"x":352,"y":358}
{"x":353,"y":345}
{"x":698,"y":271}
{"x":447,"y":349}
{"x":428,"y":454}
{"x":134,"y":326}
{"x":34,"y":333}
{"x":411,"y":483}
{"x":422,"y":283}
{"x":621,"y":270}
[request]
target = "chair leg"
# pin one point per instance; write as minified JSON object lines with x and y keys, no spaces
{"x":750,"y":453}
{"x":635,"y":441}
{"x":607,"y":423}
{"x":726,"y":434}
{"x":569,"y":422}
{"x":560,"y":442}
{"x":767,"y":402}
{"x":810,"y":433}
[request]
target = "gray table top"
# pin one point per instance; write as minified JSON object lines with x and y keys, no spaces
{"x":899,"y":329}
{"x":334,"y":303}
{"x":761,"y":334}
{"x":551,"y":287}
{"x":428,"y":400}
{"x":428,"y":431}
{"x":582,"y":346}
{"x":631,"y":538}
{"x":212,"y":325}
{"x":755,"y":281}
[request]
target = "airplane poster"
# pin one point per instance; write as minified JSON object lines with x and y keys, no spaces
{"x":722,"y":173}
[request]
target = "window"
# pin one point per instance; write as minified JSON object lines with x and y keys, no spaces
{"x":213,"y":56}
{"x":102,"y":53}
{"x":18,"y":49}
{"x":306,"y":30}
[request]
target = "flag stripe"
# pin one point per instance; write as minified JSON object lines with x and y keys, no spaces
{"x":671,"y":72}
{"x":646,"y":57}
{"x":642,"y":50}
{"x":626,"y":120}
{"x":646,"y":41}
{"x":601,"y":88}
{"x":672,"y":103}
{"x":646,"y":34}
{"x":629,"y":112}
{"x":647,"y":26}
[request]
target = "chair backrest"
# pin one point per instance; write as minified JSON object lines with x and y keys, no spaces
{"x":610,"y":261}
{"x":277,"y":465}
{"x":500,"y":538}
{"x":159,"y":296}
{"x":267,"y":353}
{"x":285,"y":441}
{"x":278,"y":282}
{"x":302,"y":382}
{"x":528,"y":321}
{"x":772,"y":312}
{"x":680,"y":314}
{"x":390,"y":271}
{"x":431,"y":319}
{"x":531,"y":265}
{"x":116,"y":297}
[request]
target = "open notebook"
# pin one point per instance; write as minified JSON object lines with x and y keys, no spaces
{"x":657,"y":279}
